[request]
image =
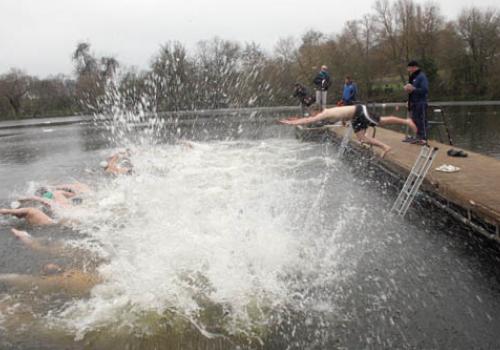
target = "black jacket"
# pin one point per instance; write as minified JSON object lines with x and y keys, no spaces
{"x":421,"y":85}
{"x":322,"y":81}
{"x":304,"y":95}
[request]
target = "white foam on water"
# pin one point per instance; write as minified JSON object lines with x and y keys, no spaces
{"x":217,"y":224}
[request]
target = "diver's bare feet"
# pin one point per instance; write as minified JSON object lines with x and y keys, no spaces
{"x":411,"y":125}
{"x":385,"y":151}
{"x":22,"y":236}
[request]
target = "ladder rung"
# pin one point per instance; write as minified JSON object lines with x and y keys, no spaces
{"x":414,"y":180}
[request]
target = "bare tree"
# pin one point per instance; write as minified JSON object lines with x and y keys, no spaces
{"x":217,"y":61}
{"x":133,"y":90}
{"x":429,"y":24}
{"x":14,"y":86}
{"x":109,"y":67}
{"x":480,"y":31}
{"x":52,"y":96}
{"x":357,"y":55}
{"x":85,"y":62}
{"x":285,"y":50}
{"x":94,"y":76}
{"x":253,"y":85}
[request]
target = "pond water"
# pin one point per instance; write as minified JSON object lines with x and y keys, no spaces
{"x":476,"y":128}
{"x":238,"y":236}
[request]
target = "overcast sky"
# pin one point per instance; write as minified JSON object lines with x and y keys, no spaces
{"x":38,"y":36}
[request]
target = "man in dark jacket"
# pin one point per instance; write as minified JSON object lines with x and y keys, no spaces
{"x":305,"y":97}
{"x":418,"y":91}
{"x":322,"y":83}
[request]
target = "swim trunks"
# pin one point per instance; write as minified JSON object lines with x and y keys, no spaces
{"x":362,"y":119}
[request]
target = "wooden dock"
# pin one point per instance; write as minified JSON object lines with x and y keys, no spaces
{"x":471,"y":195}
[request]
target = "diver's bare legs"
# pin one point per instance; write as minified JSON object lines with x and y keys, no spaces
{"x":390,"y":119}
{"x":362,"y":137}
{"x":333,"y":115}
{"x":345,"y":113}
{"x":33,"y":216}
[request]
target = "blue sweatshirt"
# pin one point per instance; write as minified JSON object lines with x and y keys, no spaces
{"x":349,"y":94}
{"x":421,"y":85}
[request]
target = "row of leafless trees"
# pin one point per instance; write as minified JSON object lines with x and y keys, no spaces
{"x":459,"y":56}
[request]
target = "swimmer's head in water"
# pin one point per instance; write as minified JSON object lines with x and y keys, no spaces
{"x":125,"y":163}
{"x":40,"y":191}
{"x":44,"y":193}
{"x":48,"y":195}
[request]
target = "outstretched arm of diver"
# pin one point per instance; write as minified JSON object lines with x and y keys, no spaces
{"x":302,"y":121}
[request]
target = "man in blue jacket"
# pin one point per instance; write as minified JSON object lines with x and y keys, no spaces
{"x":418,"y":91}
{"x":322,"y":83}
{"x":349,"y":93}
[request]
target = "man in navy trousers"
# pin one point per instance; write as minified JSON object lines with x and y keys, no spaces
{"x":418,"y":91}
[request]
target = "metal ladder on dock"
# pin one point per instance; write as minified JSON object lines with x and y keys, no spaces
{"x":414,"y":180}
{"x":443,"y":122}
{"x":345,"y":141}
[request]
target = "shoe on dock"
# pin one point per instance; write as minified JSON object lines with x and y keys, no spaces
{"x":408,"y":139}
{"x":457,"y":153}
{"x":420,"y":142}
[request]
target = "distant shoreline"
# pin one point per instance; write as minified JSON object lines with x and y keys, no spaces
{"x":61,"y":120}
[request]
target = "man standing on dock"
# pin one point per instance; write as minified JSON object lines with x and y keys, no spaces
{"x":349,"y":92}
{"x":322,"y":83}
{"x":418,"y":91}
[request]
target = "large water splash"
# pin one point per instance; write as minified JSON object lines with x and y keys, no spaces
{"x":227,"y":235}
{"x":212,"y":233}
